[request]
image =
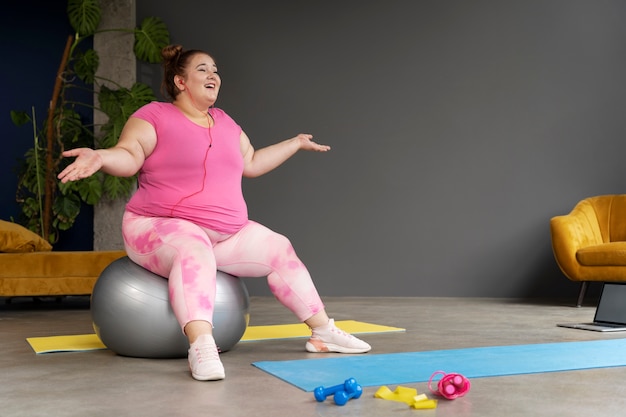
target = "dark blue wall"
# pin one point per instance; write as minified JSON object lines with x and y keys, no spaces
{"x":32,"y":37}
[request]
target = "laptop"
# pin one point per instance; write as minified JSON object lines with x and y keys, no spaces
{"x":611,"y":311}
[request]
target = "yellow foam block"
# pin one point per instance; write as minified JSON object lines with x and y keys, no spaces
{"x":287,"y":331}
{"x":84,"y":342}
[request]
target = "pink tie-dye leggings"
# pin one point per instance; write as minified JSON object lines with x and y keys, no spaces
{"x":189,"y":255}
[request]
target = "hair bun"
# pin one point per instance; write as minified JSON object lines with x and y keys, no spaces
{"x":171,"y":52}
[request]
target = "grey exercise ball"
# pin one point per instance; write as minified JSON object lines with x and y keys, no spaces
{"x":132,"y":315}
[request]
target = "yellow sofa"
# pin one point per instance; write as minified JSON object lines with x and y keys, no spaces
{"x":52,"y":273}
{"x":29,"y":267}
{"x":589,"y":243}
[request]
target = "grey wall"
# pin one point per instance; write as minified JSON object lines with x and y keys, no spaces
{"x":458,"y":129}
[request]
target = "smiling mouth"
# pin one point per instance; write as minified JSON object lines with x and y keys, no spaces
{"x":210,"y":85}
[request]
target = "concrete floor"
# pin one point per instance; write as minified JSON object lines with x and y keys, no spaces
{"x":100,"y":383}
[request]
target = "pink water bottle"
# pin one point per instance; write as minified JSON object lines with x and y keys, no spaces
{"x":450,"y":386}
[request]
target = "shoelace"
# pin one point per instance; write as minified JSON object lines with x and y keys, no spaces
{"x":206,"y":352}
{"x":337,"y":330}
{"x":340,"y":332}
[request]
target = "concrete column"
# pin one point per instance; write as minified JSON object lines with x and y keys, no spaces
{"x":117,"y":63}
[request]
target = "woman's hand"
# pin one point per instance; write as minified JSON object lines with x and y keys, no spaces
{"x":87,"y":163}
{"x":257,"y":163}
{"x":307,"y":144}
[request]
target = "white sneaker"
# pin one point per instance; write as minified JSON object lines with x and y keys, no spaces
{"x":330,"y":338}
{"x":204,"y":359}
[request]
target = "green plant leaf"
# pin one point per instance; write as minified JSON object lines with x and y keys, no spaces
{"x":129,"y":101}
{"x":90,"y":189}
{"x":112,"y":101}
{"x":20,"y":118}
{"x":66,"y":208}
{"x":84,"y":16}
{"x":119,"y":187}
{"x":30,"y":172}
{"x":30,"y":215}
{"x":73,"y":131}
{"x":142,"y":94}
{"x":119,"y":105}
{"x":86,"y":66}
{"x":150,"y":38}
{"x":107,"y":99}
{"x":113,"y":130}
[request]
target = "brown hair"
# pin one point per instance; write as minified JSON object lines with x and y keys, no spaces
{"x":175,"y":61}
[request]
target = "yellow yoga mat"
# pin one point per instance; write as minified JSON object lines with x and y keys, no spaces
{"x":74,"y":343}
{"x":287,"y":331}
{"x":85,"y":342}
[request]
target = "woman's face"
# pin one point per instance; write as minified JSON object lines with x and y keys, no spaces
{"x":202,"y":81}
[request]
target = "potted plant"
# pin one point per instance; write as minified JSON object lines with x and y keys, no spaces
{"x":47,"y":206}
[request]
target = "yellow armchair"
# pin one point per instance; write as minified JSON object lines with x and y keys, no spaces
{"x":589,"y":243}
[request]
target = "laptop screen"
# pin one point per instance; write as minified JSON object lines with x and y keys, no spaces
{"x":612,"y":304}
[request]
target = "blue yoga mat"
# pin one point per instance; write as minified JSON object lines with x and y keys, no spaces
{"x":411,"y":367}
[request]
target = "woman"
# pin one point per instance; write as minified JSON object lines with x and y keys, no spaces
{"x":188,"y":217}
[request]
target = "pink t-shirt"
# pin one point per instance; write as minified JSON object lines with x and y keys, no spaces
{"x":194,"y":173}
